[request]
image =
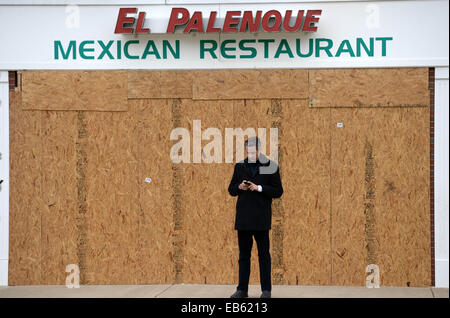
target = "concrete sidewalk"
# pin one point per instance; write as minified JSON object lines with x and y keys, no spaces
{"x":216,"y":291}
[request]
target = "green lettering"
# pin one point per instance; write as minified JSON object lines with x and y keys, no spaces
{"x":83,"y":50}
{"x":175,"y":53}
{"x":125,"y":50}
{"x":383,"y":44}
{"x":244,"y":48}
{"x":153,"y":51}
{"x":224,"y":49}
{"x":119,"y":50}
{"x":311,"y":48}
{"x":287,"y":50}
{"x":266,"y":46}
{"x":360,"y":42}
{"x":345,"y":47}
{"x":72,"y":48}
{"x":326,"y":48}
{"x":211,"y":49}
{"x":105,"y":49}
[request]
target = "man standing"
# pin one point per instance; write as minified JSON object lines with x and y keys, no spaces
{"x":256,"y":181}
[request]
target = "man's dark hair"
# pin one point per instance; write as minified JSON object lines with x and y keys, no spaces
{"x":253,"y":141}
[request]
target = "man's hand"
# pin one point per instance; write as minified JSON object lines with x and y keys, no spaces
{"x":243,"y":186}
{"x":253,"y":187}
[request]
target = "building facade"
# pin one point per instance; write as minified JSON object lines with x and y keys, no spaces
{"x":100,"y":102}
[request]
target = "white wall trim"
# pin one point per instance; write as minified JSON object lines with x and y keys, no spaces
{"x":441,"y":179}
{"x":441,"y":73}
{"x":166,"y":2}
{"x":4,"y":175}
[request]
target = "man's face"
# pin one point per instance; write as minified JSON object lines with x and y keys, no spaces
{"x":252,"y":153}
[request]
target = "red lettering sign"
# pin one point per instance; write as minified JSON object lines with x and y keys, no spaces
{"x":230,"y":23}
{"x":175,"y":20}
{"x":265,"y":21}
{"x":122,"y":19}
{"x":271,"y":21}
{"x":310,"y":19}
{"x":287,"y":20}
{"x":140,"y":24}
{"x":247,"y":20}
{"x":212,"y":19}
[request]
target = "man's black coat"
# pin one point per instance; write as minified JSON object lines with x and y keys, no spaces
{"x":253,"y":208}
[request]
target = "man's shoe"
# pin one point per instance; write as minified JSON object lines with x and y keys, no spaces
{"x":239,"y":294}
{"x":266,"y":294}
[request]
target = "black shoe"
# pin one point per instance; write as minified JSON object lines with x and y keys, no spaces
{"x":266,"y":294}
{"x":239,"y":294}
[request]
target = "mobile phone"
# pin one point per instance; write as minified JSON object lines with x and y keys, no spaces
{"x":246,"y":182}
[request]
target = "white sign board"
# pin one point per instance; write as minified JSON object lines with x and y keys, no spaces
{"x":349,"y":34}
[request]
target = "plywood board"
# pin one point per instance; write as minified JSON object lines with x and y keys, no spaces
{"x":59,"y":195}
{"x":250,"y":84}
{"x":160,"y":84}
{"x":210,"y":248}
{"x":75,"y":90}
{"x":251,"y":115}
{"x":347,"y":196}
{"x":380,"y":195}
{"x":306,"y":198}
{"x":111,"y":198}
{"x":403,"y":200}
{"x":377,"y":87}
{"x":355,"y":194}
{"x":156,"y":195}
{"x":25,"y":195}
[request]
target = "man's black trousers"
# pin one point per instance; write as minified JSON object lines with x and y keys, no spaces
{"x":245,"y":241}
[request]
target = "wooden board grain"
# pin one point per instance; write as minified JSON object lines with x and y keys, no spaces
{"x":210,"y":246}
{"x":59,"y":195}
{"x":25,"y":194}
{"x":380,"y":195}
{"x":75,"y":90}
{"x":306,"y":198}
{"x":348,"y":164}
{"x":355,"y":194}
{"x":155,"y":211}
{"x":111,"y":198}
{"x":250,"y":84}
{"x":160,"y":84}
{"x":403,"y":197}
{"x":377,"y":87}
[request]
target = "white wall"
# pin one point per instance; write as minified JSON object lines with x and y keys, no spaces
{"x":4,"y":175}
{"x":419,"y":31}
{"x":441,"y":184}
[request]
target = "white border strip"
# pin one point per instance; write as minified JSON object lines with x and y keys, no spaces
{"x":239,"y":64}
{"x":441,"y":179}
{"x":4,"y":175}
{"x":167,"y":2}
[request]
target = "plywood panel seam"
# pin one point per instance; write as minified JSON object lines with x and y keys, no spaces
{"x":371,"y":106}
{"x":330,"y":126}
{"x":276,"y":109}
{"x":140,"y":278}
{"x":41,"y":115}
{"x":177,"y":176}
{"x":309,"y":89}
{"x":382,"y":87}
{"x":81,"y":222}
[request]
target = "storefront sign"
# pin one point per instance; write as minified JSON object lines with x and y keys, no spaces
{"x":131,"y":21}
{"x":308,"y":34}
{"x":267,"y":48}
{"x":234,"y":22}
